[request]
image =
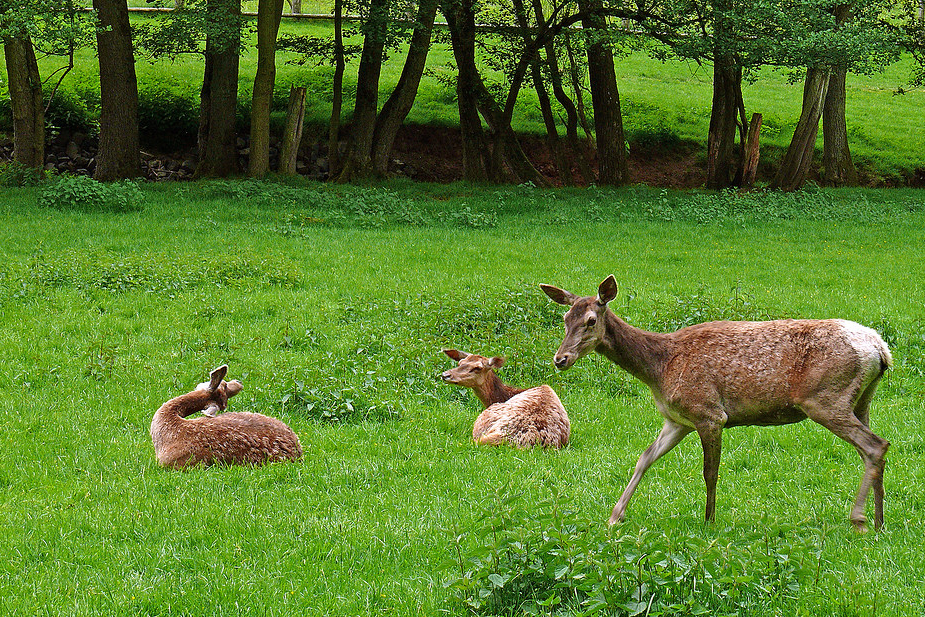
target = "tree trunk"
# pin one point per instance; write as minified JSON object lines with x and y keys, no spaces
{"x":25,"y":85}
{"x":721,"y":163}
{"x":605,"y":98}
{"x":575,"y":77}
{"x":359,"y":161}
{"x":579,"y":153}
{"x":218,"y":154}
{"x":507,"y":149}
{"x":794,"y":168}
{"x":119,"y":153}
{"x":292,"y":137}
{"x":836,"y":155}
{"x":337,"y":91}
{"x":399,"y":103}
{"x":269,"y":13}
{"x":563,"y":165}
{"x":461,"y":23}
{"x":752,"y":152}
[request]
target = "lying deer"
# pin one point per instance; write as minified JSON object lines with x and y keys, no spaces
{"x":229,"y":438}
{"x":523,"y":418}
{"x":739,"y":373}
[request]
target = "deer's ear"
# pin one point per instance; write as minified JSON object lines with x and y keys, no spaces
{"x":455,"y":355}
{"x":559,"y":295}
{"x":608,"y":290}
{"x":496,"y":362}
{"x":216,"y":376}
{"x":211,"y":410}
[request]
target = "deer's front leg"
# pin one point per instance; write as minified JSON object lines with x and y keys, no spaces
{"x":670,"y":436}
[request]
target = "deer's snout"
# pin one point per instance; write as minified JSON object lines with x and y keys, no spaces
{"x":446,"y":376}
{"x":563,"y":360}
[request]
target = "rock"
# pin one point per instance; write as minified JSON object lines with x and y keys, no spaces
{"x":72,"y":150}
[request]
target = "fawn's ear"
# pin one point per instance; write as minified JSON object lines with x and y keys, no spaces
{"x":233,"y":387}
{"x":455,"y":355}
{"x":211,"y":410}
{"x":496,"y":362}
{"x":559,"y":295}
{"x":608,"y":290}
{"x":216,"y":376}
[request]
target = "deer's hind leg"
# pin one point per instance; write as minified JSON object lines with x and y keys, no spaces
{"x":847,"y":422}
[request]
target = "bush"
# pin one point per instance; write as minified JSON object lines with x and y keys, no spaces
{"x":548,"y":561}
{"x":84,"y":194}
{"x":15,"y":173}
{"x":74,"y":111}
{"x":167,"y":118}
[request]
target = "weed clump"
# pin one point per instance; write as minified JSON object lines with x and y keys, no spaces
{"x":84,"y":194}
{"x":546,"y":560}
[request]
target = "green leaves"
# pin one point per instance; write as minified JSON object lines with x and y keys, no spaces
{"x":543,"y":558}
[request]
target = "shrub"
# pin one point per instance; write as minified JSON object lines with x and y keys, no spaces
{"x":167,"y":118}
{"x":85,"y":194}
{"x":15,"y":173}
{"x":75,"y":111}
{"x":546,"y":560}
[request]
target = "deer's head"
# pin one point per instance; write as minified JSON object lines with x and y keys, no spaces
{"x":219,"y":390}
{"x":584,"y":322}
{"x":472,"y":370}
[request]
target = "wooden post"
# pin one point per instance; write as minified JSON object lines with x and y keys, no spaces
{"x":292,"y":136}
{"x":751,"y":151}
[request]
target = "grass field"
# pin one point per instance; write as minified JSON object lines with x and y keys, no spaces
{"x":334,"y":302}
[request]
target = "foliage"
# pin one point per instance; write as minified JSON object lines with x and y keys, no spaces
{"x":84,"y":194}
{"x":748,"y":207}
{"x":15,"y":173}
{"x":167,"y":118}
{"x":544,"y":558}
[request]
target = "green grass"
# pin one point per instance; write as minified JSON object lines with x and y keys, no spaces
{"x":353,"y":291}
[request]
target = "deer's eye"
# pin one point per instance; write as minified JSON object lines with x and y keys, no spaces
{"x":591,"y":321}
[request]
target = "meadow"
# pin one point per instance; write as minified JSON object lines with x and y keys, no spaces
{"x":332,"y":304}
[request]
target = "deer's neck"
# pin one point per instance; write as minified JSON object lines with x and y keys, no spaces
{"x":495,"y":391}
{"x":640,"y":353}
{"x":174,"y":410}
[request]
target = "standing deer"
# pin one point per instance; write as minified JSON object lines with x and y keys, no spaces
{"x":523,"y":418}
{"x":721,"y":374}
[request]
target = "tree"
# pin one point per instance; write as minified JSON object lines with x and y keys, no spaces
{"x":218,"y":155}
{"x":211,"y":28}
{"x":269,"y":14}
{"x":605,"y":99}
{"x":119,"y":153}
{"x":359,"y":150}
{"x":460,"y":17}
{"x":844,"y":37}
{"x":25,"y":86}
{"x":58,"y":30}
{"x":399,"y":103}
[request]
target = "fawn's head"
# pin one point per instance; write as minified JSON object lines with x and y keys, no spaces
{"x":219,"y":390}
{"x":585,"y":323}
{"x":472,"y":370}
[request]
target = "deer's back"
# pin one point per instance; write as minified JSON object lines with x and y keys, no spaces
{"x":231,"y":438}
{"x":761,"y":371}
{"x":532,"y":417}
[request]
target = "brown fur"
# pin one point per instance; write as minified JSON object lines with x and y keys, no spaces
{"x":522,"y":418}
{"x":231,"y":438}
{"x":720,"y":374}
